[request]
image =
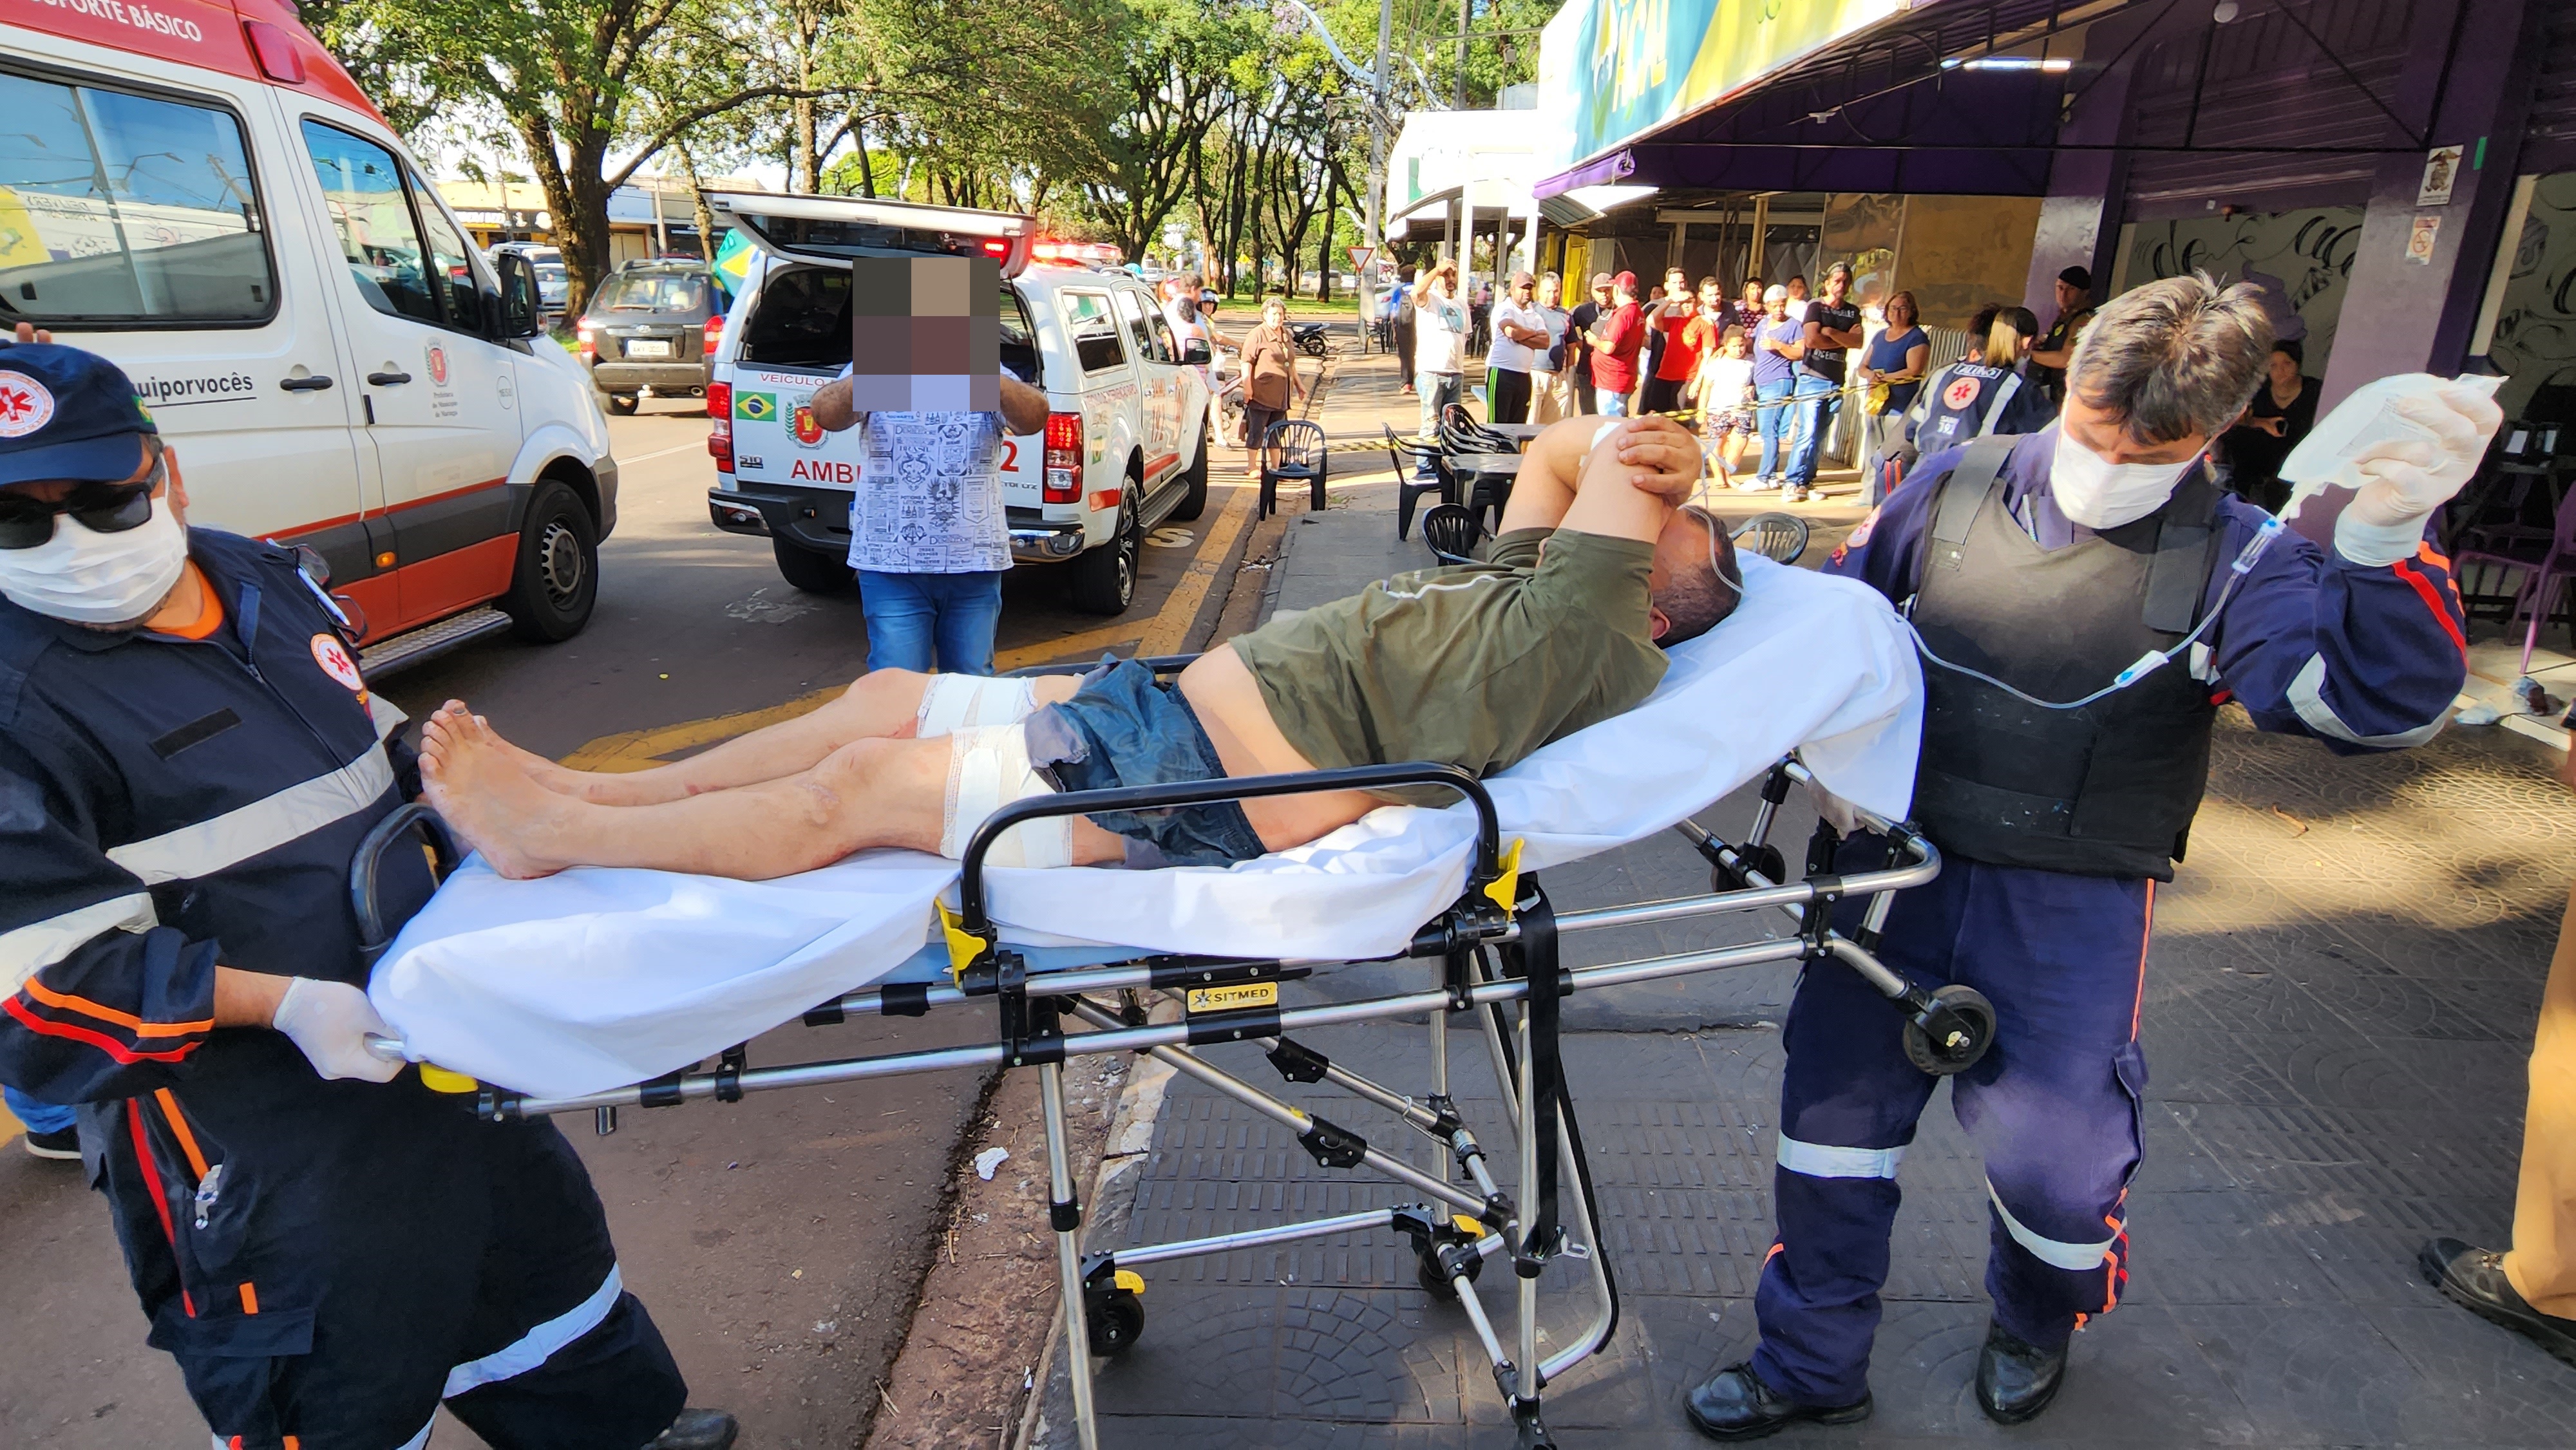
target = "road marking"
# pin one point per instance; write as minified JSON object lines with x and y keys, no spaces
{"x":698,"y":447}
{"x":1170,"y":539}
{"x":1163,"y":633}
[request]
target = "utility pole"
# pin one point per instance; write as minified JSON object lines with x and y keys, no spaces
{"x":1458,"y":91}
{"x":1372,"y":227}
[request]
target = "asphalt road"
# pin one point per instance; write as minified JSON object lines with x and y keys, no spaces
{"x":778,"y":1242}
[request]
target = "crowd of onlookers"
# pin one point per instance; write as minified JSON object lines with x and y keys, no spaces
{"x":1769,"y":373}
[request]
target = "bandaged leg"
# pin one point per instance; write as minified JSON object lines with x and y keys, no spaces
{"x":988,"y":768}
{"x":950,"y":703}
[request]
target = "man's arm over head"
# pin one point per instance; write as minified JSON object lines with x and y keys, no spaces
{"x":1614,"y":477}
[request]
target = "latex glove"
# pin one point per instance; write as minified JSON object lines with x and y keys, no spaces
{"x":2405,"y":479}
{"x":330,"y":1022}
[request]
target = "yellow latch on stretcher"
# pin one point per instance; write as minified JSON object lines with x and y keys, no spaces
{"x":1129,"y":1280}
{"x":963,"y":946}
{"x":440,"y":1080}
{"x":1506,"y":888}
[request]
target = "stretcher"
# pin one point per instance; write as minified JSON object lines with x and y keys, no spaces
{"x":1489,"y":945}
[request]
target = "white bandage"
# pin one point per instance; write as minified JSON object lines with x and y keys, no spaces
{"x":988,"y":768}
{"x":950,"y":703}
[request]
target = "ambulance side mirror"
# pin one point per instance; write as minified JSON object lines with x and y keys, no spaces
{"x":521,"y":313}
{"x":1195,"y":351}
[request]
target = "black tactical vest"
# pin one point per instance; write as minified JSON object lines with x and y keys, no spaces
{"x":2108,"y":790}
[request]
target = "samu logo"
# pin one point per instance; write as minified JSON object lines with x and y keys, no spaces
{"x":25,"y":405}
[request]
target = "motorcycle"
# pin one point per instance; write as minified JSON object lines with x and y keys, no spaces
{"x":1311,"y":338}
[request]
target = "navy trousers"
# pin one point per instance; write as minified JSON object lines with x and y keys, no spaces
{"x":2054,"y":1109}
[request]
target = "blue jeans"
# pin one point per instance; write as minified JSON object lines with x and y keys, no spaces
{"x":913,"y":616}
{"x":39,"y":1117}
{"x":1612,"y":405}
{"x":1820,"y":400}
{"x":1771,"y":421}
{"x":1437,"y":391}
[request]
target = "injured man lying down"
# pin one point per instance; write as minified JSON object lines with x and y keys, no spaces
{"x":1598,"y":568}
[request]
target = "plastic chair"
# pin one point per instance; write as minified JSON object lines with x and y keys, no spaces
{"x":1293,"y":449}
{"x":1452,"y":532}
{"x":1781,"y":538}
{"x":1461,"y":433}
{"x":1419,"y":469}
{"x":2545,"y":577}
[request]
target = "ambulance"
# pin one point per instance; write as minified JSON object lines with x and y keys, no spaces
{"x":196,"y":189}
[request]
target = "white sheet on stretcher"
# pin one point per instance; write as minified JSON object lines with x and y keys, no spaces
{"x":595,"y":977}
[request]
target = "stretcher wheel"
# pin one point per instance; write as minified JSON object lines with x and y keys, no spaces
{"x":1435,"y":1280}
{"x":1952,"y":1032}
{"x":1113,"y":1320}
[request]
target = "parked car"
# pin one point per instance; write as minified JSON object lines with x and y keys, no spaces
{"x":1125,"y":445}
{"x":554,"y":284}
{"x":652,"y":325}
{"x":329,"y":358}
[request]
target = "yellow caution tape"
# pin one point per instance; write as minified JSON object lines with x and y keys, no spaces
{"x":1506,"y":888}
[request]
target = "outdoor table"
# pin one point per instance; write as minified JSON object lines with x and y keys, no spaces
{"x":1520,"y":433}
{"x":1472,"y":469}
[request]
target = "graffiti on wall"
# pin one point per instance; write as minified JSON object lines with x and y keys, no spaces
{"x":2535,"y":331}
{"x":2302,"y":257}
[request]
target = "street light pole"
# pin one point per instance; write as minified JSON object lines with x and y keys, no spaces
{"x":1372,"y":234}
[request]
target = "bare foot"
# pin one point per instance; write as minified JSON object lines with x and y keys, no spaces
{"x":561,"y":779}
{"x":487,"y":800}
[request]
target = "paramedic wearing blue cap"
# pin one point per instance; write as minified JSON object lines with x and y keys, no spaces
{"x":2039,"y":571}
{"x":188,"y":756}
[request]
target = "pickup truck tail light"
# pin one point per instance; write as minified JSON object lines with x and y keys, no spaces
{"x":720,"y":433}
{"x":1063,"y":458}
{"x":589,"y":344}
{"x":715,"y":334}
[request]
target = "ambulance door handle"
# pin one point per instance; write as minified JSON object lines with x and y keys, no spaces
{"x":387,"y":380}
{"x":313,"y":384}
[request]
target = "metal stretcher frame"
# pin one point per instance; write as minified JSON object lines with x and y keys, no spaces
{"x":1497,"y":947}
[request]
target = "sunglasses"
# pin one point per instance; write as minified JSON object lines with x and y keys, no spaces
{"x":102,"y":508}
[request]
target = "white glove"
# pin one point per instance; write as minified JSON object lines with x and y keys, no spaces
{"x":330,"y":1021}
{"x":2405,"y":478}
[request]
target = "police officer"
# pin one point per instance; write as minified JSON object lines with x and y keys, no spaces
{"x":2075,"y":312}
{"x":2056,"y":824}
{"x":188,"y":756}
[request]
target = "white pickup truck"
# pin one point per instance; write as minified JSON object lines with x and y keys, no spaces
{"x":1125,"y":444}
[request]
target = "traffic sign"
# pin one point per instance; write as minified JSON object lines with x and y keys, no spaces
{"x":1360,"y":257}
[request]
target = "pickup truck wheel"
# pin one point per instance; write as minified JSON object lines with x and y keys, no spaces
{"x":623,"y":404}
{"x":557,"y":578}
{"x":1104,"y":579}
{"x":812,"y":572}
{"x":1194,"y":502}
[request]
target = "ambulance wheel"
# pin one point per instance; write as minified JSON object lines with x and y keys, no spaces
{"x":557,"y":577}
{"x":1113,"y":1322}
{"x":1104,"y":579}
{"x":624,"y":404}
{"x":810,"y":571}
{"x":1435,"y":1280}
{"x":1965,"y":1022}
{"x":1194,"y":502}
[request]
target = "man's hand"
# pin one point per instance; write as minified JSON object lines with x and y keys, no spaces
{"x":1661,"y":456}
{"x":2405,"y":479}
{"x":330,"y":1022}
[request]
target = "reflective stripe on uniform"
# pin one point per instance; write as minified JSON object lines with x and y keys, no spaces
{"x":539,"y":1344}
{"x":387,"y":715}
{"x":2053,"y":1252}
{"x":30,"y":949}
{"x":1819,"y":1160}
{"x":263,"y":825}
{"x":2307,"y":696}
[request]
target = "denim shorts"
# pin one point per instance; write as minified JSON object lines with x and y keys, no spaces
{"x":1125,"y":728}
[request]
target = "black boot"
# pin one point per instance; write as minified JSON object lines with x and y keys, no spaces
{"x":1734,"y":1404}
{"x":2474,"y":1278}
{"x":698,"y":1430}
{"x":2016,"y":1378}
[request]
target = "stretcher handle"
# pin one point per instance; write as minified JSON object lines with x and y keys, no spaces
{"x":1159,"y":664}
{"x":373,"y":937}
{"x":1489,"y":832}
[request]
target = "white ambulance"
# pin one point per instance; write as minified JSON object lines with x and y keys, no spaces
{"x":196,"y":189}
{"x":1124,"y":448}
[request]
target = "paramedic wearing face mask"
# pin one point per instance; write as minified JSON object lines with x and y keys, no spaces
{"x":2054,"y":564}
{"x":188,"y":756}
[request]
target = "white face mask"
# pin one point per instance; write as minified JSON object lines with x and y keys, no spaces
{"x":2100,"y":494}
{"x":93,"y":578}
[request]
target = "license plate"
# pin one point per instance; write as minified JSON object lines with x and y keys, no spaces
{"x":1234,"y":998}
{"x":648,"y":347}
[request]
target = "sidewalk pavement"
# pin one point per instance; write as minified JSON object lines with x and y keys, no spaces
{"x":2342,"y":992}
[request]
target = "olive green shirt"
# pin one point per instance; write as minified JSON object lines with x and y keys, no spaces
{"x":1474,"y":666}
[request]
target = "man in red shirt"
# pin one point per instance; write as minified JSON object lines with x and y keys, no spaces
{"x":1679,"y":357}
{"x":1616,"y":340}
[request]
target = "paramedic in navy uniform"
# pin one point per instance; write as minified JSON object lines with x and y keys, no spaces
{"x":188,"y":756}
{"x":2102,"y":539}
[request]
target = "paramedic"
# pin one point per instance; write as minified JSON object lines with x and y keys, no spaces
{"x":188,"y":757}
{"x":2055,"y":825}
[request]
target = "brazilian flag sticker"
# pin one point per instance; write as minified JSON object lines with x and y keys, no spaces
{"x":756,"y":407}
